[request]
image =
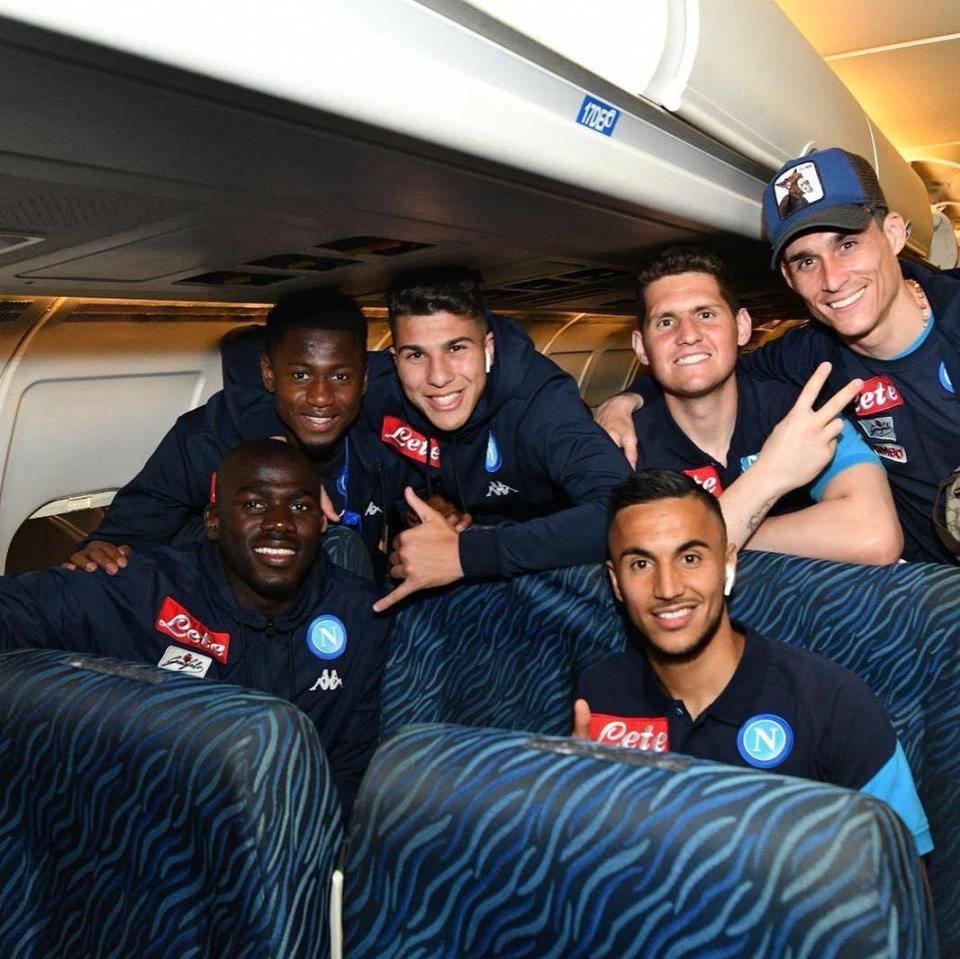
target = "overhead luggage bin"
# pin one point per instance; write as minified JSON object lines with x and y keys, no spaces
{"x":227,"y":140}
{"x":738,"y":71}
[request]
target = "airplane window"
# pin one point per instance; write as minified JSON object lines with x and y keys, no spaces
{"x":48,"y":539}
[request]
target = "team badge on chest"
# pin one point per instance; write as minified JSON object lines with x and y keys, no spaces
{"x":327,"y":636}
{"x":765,"y":740}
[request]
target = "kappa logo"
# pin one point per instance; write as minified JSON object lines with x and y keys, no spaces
{"x":372,"y":509}
{"x":708,"y":478}
{"x":403,"y":437}
{"x":176,"y":621}
{"x":497,"y":488}
{"x":183,"y":661}
{"x":880,"y":428}
{"x":327,"y":680}
{"x":648,"y":733}
{"x":765,"y":740}
{"x":878,"y":394}
{"x":327,"y":636}
{"x":890,"y":451}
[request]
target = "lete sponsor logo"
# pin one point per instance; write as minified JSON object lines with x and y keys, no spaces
{"x":649,"y":733}
{"x":178,"y":622}
{"x":707,"y":477}
{"x":878,"y":394}
{"x":394,"y":432}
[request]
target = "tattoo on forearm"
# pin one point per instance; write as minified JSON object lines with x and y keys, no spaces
{"x":754,"y":521}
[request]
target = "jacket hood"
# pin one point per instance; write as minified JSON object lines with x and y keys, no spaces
{"x":517,"y":370}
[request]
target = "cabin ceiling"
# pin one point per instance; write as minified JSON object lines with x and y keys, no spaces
{"x":123,"y":178}
{"x":899,"y":60}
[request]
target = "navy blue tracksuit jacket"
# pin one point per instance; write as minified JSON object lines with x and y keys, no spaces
{"x":175,"y":608}
{"x":530,"y":465}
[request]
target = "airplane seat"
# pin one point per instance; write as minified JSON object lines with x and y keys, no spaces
{"x":153,"y":815}
{"x":502,"y":653}
{"x":507,"y":654}
{"x":472,"y":843}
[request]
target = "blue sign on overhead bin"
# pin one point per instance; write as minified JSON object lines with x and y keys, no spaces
{"x":597,"y":115}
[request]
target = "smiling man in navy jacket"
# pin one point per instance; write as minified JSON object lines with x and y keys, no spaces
{"x":306,"y":373}
{"x":470,"y":413}
{"x":258,"y":604}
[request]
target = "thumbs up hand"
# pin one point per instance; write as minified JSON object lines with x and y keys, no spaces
{"x":424,"y":556}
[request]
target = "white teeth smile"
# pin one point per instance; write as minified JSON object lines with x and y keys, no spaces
{"x":852,"y":298}
{"x":692,"y":358}
{"x":672,"y":614}
{"x":273,"y":551}
{"x":318,"y":420}
{"x":447,"y":399}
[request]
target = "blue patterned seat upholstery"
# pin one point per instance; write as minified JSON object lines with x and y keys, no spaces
{"x":474,"y":843}
{"x":147,"y":815}
{"x":506,"y":654}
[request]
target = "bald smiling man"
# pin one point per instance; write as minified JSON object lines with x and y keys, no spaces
{"x":257,"y":604}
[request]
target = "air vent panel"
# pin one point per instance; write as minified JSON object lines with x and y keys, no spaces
{"x":302,"y":261}
{"x":374,"y":246}
{"x":232,"y":278}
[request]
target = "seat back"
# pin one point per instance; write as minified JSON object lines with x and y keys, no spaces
{"x":507,"y":654}
{"x":898,"y":628}
{"x":472,"y":843}
{"x":147,"y":814}
{"x":502,"y":653}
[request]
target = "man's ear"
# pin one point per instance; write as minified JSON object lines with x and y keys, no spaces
{"x":211,"y":522}
{"x":895,"y":230}
{"x":489,"y":344}
{"x":366,"y":379}
{"x":393,"y":352}
{"x":636,"y":340}
{"x":266,"y":372}
{"x":614,"y":585}
{"x":744,"y":327}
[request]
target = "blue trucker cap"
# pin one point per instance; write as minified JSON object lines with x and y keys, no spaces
{"x":831,"y":188}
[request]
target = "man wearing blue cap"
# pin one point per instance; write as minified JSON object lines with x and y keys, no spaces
{"x":895,"y":326}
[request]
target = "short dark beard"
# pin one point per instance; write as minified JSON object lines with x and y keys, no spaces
{"x":662,"y":658}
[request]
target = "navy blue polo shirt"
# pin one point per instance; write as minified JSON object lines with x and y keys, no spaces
{"x":907,"y":410}
{"x":761,"y":405}
{"x":787,"y":710}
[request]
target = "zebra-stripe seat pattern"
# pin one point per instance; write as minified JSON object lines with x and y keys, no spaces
{"x":148,"y":815}
{"x":471,"y":843}
{"x":507,"y":654}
